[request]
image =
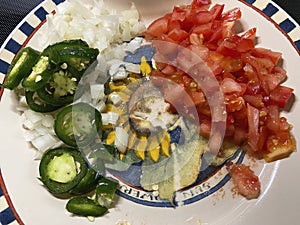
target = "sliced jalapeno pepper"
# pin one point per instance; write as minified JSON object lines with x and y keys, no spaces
{"x":21,"y":67}
{"x":40,"y":74}
{"x":53,"y":50}
{"x":84,"y":206}
{"x":87,"y":184}
{"x":61,"y":169}
{"x":47,"y":94}
{"x":78,"y":124}
{"x":38,"y":105}
{"x":105,"y":191}
{"x":75,"y":53}
{"x":78,"y":57}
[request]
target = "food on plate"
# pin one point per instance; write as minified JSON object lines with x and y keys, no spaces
{"x":62,"y":169}
{"x":250,"y":77}
{"x":245,"y":181}
{"x":78,"y":124}
{"x":25,"y":60}
{"x":113,"y":94}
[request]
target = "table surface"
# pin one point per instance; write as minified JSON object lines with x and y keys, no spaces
{"x":11,"y":13}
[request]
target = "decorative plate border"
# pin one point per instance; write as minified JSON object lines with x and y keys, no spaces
{"x":31,"y":23}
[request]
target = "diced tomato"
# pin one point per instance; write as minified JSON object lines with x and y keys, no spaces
{"x":273,"y":118}
{"x":179,"y":14}
{"x":278,"y":76}
{"x":231,"y":65}
{"x":158,"y":27}
{"x":178,"y":35}
{"x":245,"y":181}
{"x":250,"y":34}
{"x":198,"y":97}
{"x":169,"y":70}
{"x":281,"y":95}
{"x":228,"y":48}
{"x":203,"y":29}
{"x":217,"y":11}
{"x":234,"y":104}
{"x":255,"y":100}
{"x":284,"y":125}
{"x":279,"y":146}
{"x":261,"y":65}
{"x":229,"y":85}
{"x":244,"y":45}
{"x":267,"y":53}
{"x":202,"y":17}
{"x":253,"y":127}
{"x":174,"y":25}
{"x":232,"y":15}
{"x":249,"y":77}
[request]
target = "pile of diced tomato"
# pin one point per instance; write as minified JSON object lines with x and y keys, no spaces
{"x":250,"y":77}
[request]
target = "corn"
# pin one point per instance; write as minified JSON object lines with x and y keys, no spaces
{"x":154,"y":153}
{"x":111,"y":137}
{"x":141,"y":148}
{"x":165,"y":145}
{"x":145,"y":67}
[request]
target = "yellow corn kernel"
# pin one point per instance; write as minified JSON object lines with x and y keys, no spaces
{"x":110,"y":108}
{"x":141,"y":148}
{"x":165,"y":145}
{"x":107,"y":127}
{"x":145,"y":67}
{"x":121,"y":155}
{"x":154,"y":153}
{"x":115,"y":87}
{"x":111,"y":137}
{"x":131,"y":141}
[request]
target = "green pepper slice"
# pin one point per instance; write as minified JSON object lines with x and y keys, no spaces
{"x":105,"y":191}
{"x":78,"y":57}
{"x":83,"y":206}
{"x":37,"y":104}
{"x":40,"y":74}
{"x":78,"y":124}
{"x":61,"y":169}
{"x":76,"y":53}
{"x":47,"y":94}
{"x":53,"y":50}
{"x":21,"y":67}
{"x":87,"y":184}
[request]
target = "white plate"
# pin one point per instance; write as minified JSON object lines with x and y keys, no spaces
{"x":24,"y":201}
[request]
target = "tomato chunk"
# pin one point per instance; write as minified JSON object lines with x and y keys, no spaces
{"x":245,"y":181}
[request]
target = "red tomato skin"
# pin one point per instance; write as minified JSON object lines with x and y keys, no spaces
{"x":232,"y":15}
{"x":217,"y":11}
{"x":263,"y":53}
{"x":158,"y":27}
{"x":281,"y":95}
{"x":178,"y":35}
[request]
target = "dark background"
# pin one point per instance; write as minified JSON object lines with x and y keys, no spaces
{"x":13,"y":11}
